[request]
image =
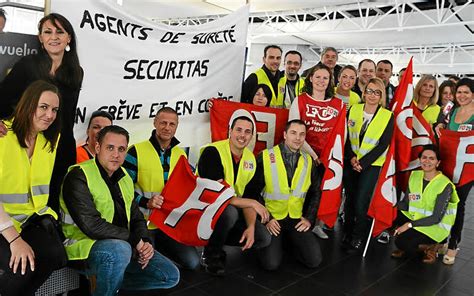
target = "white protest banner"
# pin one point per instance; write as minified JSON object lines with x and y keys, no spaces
{"x":134,"y":67}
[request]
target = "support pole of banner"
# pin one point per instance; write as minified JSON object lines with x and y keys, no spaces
{"x":47,"y":7}
{"x":368,"y":239}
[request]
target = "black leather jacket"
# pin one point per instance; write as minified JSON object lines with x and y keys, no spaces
{"x":78,"y":200}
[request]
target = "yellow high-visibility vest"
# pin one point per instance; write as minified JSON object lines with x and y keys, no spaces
{"x":150,"y":176}
{"x":247,"y":166}
{"x":283,"y":199}
{"x":372,"y":135}
{"x":279,"y":102}
{"x":422,"y":203}
{"x":24,"y":188}
{"x":262,"y":78}
{"x":430,"y":113}
{"x":78,"y":244}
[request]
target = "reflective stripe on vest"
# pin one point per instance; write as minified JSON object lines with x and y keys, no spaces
{"x":283,"y":199}
{"x":423,"y":202}
{"x":247,"y":166}
{"x":150,"y":174}
{"x":15,"y":198}
{"x":78,"y":244}
{"x":262,"y":78}
{"x":279,"y":102}
{"x":373,"y":132}
{"x":25,"y":183}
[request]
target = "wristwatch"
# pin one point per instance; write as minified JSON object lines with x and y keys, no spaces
{"x":410,"y":225}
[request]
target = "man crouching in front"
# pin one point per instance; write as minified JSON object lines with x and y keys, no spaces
{"x":106,"y":234}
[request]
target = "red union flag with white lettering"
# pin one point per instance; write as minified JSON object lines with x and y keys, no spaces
{"x":457,"y":156}
{"x":191,"y":206}
{"x":270,"y":123}
{"x":403,"y":111}
{"x":382,"y":207}
{"x":331,"y":184}
{"x":422,"y":135}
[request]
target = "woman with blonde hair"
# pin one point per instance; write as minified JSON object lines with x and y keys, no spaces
{"x":425,"y":97}
{"x":370,"y":128}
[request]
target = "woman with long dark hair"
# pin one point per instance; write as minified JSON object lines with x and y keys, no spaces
{"x":461,"y":119}
{"x":30,"y":246}
{"x":57,"y":62}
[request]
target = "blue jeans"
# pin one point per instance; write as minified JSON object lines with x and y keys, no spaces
{"x":110,"y":261}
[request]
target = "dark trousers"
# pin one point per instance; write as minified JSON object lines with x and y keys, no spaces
{"x":359,"y":190}
{"x":49,"y":256}
{"x":304,"y":246}
{"x":410,"y":239}
{"x":229,"y":229}
{"x":456,"y":230}
{"x":185,"y":256}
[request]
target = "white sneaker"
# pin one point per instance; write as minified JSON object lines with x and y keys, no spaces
{"x":384,"y":238}
{"x":318,"y":230}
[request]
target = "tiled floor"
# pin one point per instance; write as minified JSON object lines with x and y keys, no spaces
{"x":339,"y":274}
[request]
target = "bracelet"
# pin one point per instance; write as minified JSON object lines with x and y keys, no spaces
{"x":10,"y":242}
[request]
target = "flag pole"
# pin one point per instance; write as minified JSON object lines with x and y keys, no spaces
{"x":368,"y":239}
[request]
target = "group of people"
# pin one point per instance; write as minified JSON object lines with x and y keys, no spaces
{"x":367,"y":93}
{"x":86,"y":207}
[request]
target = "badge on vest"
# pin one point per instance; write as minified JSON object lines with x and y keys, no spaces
{"x":414,"y":196}
{"x":465,"y":127}
{"x":351,"y":123}
{"x":248,"y":165}
{"x":272,"y":158}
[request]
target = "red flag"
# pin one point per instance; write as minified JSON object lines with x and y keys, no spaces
{"x":191,"y":206}
{"x":270,"y":123}
{"x":382,"y":207}
{"x":457,"y":156}
{"x":403,"y":112}
{"x":331,"y":184}
{"x":402,"y":109}
{"x":422,"y":134}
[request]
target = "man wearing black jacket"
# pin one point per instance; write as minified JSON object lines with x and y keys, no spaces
{"x":106,"y":234}
{"x":268,"y":74}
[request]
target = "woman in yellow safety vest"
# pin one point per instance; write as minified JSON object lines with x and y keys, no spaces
{"x":427,"y":211}
{"x":343,"y":89}
{"x":425,"y":97}
{"x":370,"y":128}
{"x":29,"y":243}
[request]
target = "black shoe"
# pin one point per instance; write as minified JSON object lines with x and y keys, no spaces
{"x":346,"y":241}
{"x":357,"y":245}
{"x":214,"y":263}
{"x":327,"y":228}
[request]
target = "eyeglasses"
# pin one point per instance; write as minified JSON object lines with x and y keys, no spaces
{"x":376,"y":92}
